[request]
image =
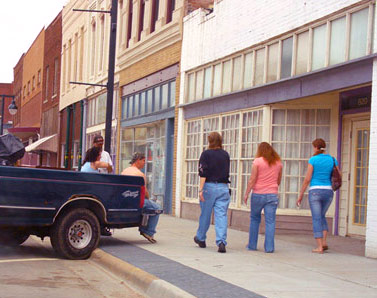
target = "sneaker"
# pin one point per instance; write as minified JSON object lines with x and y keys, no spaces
{"x":105,"y":231}
{"x":201,"y":244}
{"x":222,"y":248}
{"x":148,"y":237}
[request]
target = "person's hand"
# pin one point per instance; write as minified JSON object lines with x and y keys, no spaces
{"x":245,"y":198}
{"x":201,"y":197}
{"x":298,"y":202}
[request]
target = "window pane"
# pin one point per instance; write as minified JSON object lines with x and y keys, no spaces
{"x":101,"y":116}
{"x":272,"y":62}
{"x":217,"y":79}
{"x":207,"y":82}
{"x":237,"y":74}
{"x":278,"y":117}
{"x":164,"y":97}
{"x":150,"y":101}
{"x":199,"y":84}
{"x":286,"y":58}
{"x":142,"y":103}
{"x":172,"y":94}
{"x":338,"y":41}
{"x":157,"y":98}
{"x":359,"y":29}
{"x":248,"y":74}
{"x":191,"y":87}
{"x":259,"y":67}
{"x":136,"y":104}
{"x":302,"y":52}
{"x":227,"y":80}
{"x":124,"y":108}
{"x":131,"y":106}
{"x":319,"y":47}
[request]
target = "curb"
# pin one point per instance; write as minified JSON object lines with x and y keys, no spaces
{"x":147,"y":283}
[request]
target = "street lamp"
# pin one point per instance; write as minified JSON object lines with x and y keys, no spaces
{"x":12,"y":110}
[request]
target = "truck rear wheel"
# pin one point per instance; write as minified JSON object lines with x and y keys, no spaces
{"x":75,"y":234}
{"x":12,"y":236}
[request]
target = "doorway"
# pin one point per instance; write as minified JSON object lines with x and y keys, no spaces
{"x":358,"y":191}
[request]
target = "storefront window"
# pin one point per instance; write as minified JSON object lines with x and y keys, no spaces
{"x":237,"y":73}
{"x":248,"y":73}
{"x":207,"y":82}
{"x":293,"y":130}
{"x":286,"y":58}
{"x":272,"y":66}
{"x":259,"y":66}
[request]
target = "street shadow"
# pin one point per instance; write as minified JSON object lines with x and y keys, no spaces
{"x":26,"y":251}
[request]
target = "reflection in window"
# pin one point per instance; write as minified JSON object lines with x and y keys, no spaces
{"x":359,"y":29}
{"x":142,"y":103}
{"x":338,"y":41}
{"x":259,"y":67}
{"x":157,"y":98}
{"x":319,"y":47}
{"x":272,"y":62}
{"x":302,"y":52}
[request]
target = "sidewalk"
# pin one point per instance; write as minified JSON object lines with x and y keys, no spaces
{"x":292,"y":271}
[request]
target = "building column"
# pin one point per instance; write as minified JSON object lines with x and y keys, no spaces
{"x":371,"y":229}
{"x":161,"y":15}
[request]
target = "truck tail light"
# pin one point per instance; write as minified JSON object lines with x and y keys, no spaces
{"x":142,"y":196}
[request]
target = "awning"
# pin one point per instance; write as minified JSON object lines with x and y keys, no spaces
{"x":49,"y":143}
{"x":24,"y":133}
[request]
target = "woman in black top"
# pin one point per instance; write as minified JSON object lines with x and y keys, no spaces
{"x":214,"y":194}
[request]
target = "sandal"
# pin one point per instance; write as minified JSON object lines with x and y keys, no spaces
{"x":316,"y":250}
{"x":325,"y":247}
{"x":149,"y":238}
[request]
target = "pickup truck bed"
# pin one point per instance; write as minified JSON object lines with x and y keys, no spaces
{"x":70,"y":207}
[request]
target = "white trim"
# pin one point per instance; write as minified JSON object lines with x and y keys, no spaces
{"x":26,"y":207}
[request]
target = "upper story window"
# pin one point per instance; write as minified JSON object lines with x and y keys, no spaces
{"x":129,"y":27}
{"x":154,"y":14}
{"x":342,"y":38}
{"x":170,"y":9}
{"x":148,"y":101}
{"x":141,"y":19}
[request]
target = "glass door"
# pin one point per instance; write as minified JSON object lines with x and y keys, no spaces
{"x":359,"y":178}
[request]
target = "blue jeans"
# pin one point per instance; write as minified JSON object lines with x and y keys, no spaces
{"x":268,"y":202}
{"x":319,"y":201}
{"x":217,"y":198}
{"x":150,"y":229}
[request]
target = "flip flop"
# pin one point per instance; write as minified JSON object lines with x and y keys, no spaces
{"x":315,"y":250}
{"x":325,"y":247}
{"x":149,"y":238}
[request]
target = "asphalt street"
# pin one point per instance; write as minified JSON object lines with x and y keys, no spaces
{"x":33,"y":270}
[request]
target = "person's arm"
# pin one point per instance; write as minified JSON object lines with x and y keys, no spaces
{"x":145,"y":184}
{"x":101,"y":165}
{"x":109,"y":161}
{"x":305,"y":184}
{"x":280,"y":175}
{"x":251,"y":183}
{"x":201,"y":185}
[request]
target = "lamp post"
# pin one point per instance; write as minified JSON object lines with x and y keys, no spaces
{"x":12,"y":108}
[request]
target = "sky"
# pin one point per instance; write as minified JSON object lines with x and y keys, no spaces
{"x":20,"y":23}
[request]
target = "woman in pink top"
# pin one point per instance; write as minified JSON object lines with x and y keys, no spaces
{"x":264,"y":181}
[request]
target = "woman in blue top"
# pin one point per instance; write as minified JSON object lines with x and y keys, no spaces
{"x":320,"y":192}
{"x":92,"y":162}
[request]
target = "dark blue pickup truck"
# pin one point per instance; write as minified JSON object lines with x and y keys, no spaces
{"x":69,"y":207}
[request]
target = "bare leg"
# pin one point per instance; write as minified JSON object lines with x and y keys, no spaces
{"x":324,"y":243}
{"x":319,"y":248}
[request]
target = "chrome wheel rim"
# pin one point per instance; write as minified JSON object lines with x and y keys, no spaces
{"x":80,"y":234}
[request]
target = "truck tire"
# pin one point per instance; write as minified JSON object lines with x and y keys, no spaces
{"x":12,"y":236}
{"x":75,"y":234}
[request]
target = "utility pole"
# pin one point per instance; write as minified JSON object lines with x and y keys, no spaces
{"x":110,"y":79}
{"x":110,"y":76}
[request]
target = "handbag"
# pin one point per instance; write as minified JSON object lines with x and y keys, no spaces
{"x":336,"y":177}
